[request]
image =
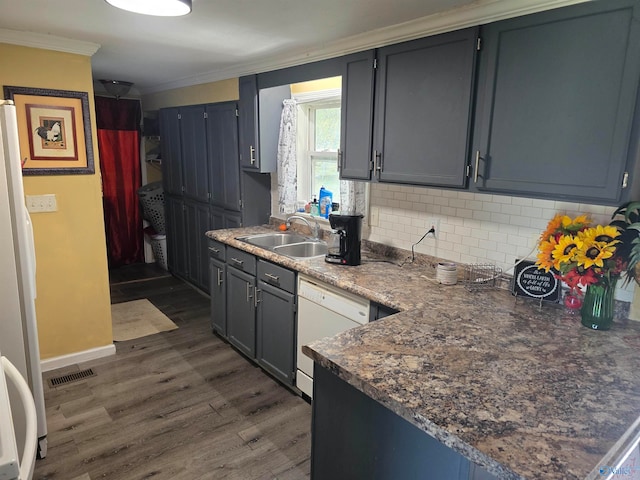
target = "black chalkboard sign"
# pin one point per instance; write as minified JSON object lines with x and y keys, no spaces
{"x":528,"y":281}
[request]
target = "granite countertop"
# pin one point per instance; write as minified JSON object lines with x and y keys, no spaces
{"x":521,"y":391}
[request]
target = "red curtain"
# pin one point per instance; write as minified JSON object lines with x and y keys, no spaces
{"x":119,"y":146}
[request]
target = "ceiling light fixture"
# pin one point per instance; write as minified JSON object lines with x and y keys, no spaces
{"x":117,"y":88}
{"x":160,"y":8}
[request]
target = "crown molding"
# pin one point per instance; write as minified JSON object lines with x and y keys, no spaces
{"x":47,"y":42}
{"x":478,"y":13}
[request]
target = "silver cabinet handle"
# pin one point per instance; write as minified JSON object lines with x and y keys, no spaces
{"x":475,"y":171}
{"x":214,"y":250}
{"x":339,"y":160}
{"x":236,"y":261}
{"x":219,"y":276}
{"x":273,"y":278}
{"x":377,"y":162}
{"x":252,"y":155}
{"x":249,"y":296}
{"x":256,"y":300}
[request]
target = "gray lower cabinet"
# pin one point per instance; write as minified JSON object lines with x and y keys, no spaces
{"x":423,"y":109}
{"x":241,"y":300}
{"x":175,"y":228}
{"x":556,"y":98}
{"x":218,"y":287}
{"x":355,"y":437}
{"x":197,"y":222}
{"x":253,"y":305}
{"x":275,"y":320}
{"x":378,"y":311}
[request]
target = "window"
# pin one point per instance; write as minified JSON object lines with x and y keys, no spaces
{"x":318,"y":142}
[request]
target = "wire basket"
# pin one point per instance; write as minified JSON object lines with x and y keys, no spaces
{"x":480,"y":276}
{"x":151,"y":198}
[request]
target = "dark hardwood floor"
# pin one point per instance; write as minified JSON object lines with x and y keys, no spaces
{"x":175,"y":405}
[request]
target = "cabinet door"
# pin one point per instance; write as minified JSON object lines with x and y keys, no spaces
{"x":194,"y":152}
{"x":356,"y":125}
{"x":275,"y":339}
{"x":222,"y":154}
{"x":423,"y":109}
{"x":241,"y":319}
{"x":217,"y":292}
{"x":232,"y":220}
{"x":556,"y":102}
{"x":248,"y":122}
{"x":197,"y":223}
{"x":175,"y":228}
{"x":171,"y":152}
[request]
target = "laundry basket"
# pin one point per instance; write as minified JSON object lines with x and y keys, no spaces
{"x":151,"y":198}
{"x":159,"y":247}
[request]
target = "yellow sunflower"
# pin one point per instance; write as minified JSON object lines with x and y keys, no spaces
{"x":606,"y":235}
{"x":594,"y":253}
{"x":553,"y":227}
{"x":545,"y":255}
{"x":574,"y":225}
{"x":565,"y":251}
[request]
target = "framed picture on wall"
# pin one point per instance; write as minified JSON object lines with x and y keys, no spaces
{"x":55,"y":131}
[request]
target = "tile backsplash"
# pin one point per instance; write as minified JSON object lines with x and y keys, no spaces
{"x":471,"y":227}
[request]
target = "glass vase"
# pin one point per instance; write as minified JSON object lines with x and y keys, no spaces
{"x":597,"y":307}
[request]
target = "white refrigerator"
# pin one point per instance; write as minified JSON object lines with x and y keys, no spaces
{"x":18,"y":327}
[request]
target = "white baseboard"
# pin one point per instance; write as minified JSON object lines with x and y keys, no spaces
{"x":78,"y":357}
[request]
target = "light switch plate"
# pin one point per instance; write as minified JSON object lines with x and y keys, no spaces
{"x":42,"y":203}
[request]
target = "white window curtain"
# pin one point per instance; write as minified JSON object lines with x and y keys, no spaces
{"x":287,"y":160}
{"x":353,"y":195}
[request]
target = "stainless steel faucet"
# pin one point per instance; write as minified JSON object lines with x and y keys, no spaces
{"x":315,"y":229}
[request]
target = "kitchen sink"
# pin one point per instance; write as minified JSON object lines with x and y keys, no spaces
{"x":290,"y":245}
{"x":302,"y":250}
{"x":269,"y":240}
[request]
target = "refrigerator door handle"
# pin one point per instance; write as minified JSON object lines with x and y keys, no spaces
{"x":31,"y":253}
{"x":28,"y":460}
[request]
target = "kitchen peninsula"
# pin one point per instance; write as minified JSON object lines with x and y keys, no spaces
{"x":519,"y":391}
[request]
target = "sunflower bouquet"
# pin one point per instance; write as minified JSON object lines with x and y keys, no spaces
{"x":580,"y":253}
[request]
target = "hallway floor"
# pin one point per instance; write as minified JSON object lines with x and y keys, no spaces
{"x":175,"y":405}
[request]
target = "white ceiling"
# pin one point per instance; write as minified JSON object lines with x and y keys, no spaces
{"x":227,"y":38}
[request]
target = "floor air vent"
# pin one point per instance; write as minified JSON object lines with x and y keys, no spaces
{"x":72,"y":377}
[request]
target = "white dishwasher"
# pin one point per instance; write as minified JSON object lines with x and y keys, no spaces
{"x":323,"y":311}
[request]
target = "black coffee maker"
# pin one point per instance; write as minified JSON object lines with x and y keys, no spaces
{"x":348,"y":229}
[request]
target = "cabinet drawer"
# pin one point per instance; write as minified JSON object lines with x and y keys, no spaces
{"x":217,"y":250}
{"x":241,"y":260}
{"x":277,"y":276}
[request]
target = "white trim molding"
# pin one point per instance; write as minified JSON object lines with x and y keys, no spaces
{"x":477,"y":13}
{"x":48,"y":42}
{"x":77,"y":357}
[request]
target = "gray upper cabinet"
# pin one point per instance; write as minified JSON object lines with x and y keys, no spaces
{"x":194,"y":152}
{"x":423,"y":109}
{"x":222,"y":155}
{"x":259,"y":124}
{"x":357,"y":117}
{"x":171,"y":151}
{"x":556,"y":100}
{"x":248,"y":118}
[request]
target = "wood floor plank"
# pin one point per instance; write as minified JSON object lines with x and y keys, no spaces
{"x":176,"y":405}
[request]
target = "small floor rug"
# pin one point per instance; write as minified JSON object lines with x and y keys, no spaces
{"x":138,"y":318}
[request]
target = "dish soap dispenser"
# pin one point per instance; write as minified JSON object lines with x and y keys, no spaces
{"x":315,"y":210}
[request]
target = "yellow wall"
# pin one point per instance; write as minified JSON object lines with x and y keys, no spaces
{"x":221,"y":91}
{"x":73,"y":303}
{"x":317,"y":85}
